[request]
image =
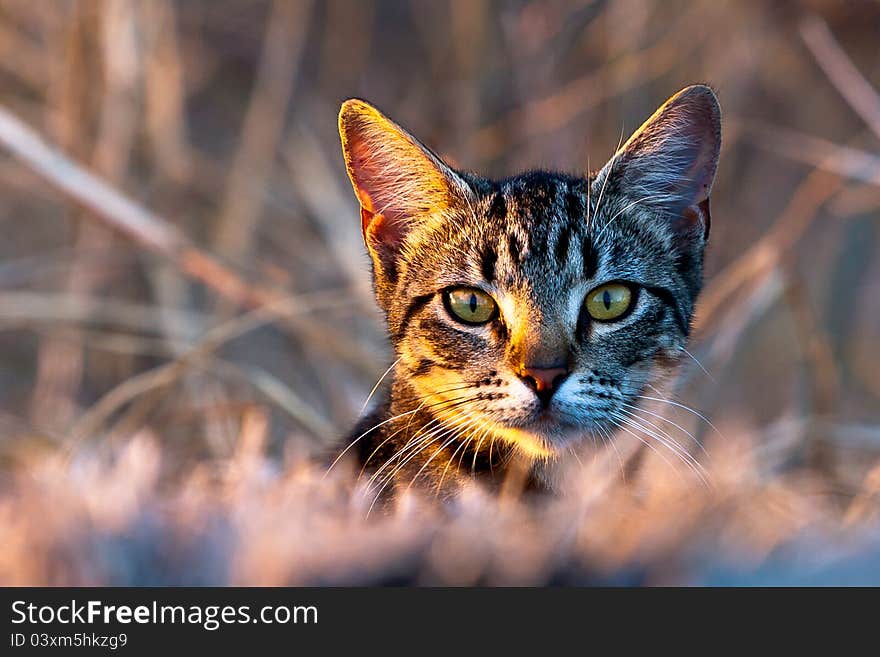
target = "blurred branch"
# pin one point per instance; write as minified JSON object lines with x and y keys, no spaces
{"x":114,"y":209}
{"x":282,"y":395}
{"x":633,"y":69}
{"x":821,"y":153}
{"x":21,"y":58}
{"x":20,"y":308}
{"x":263,"y":126}
{"x":31,"y":269}
{"x":765,"y":255}
{"x":90,"y":422}
{"x":165,"y":96}
{"x":164,"y":375}
{"x":113,"y":341}
{"x":841,"y":72}
{"x":314,"y":180}
{"x":99,"y":42}
{"x":822,"y":372}
{"x":153,"y":232}
{"x":767,"y":285}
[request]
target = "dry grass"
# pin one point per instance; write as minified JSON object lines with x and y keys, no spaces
{"x":186,"y":324}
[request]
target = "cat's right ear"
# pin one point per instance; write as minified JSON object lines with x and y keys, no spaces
{"x":669,"y":163}
{"x":398,"y":182}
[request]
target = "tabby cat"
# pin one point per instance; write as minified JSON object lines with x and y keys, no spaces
{"x":526,"y":314}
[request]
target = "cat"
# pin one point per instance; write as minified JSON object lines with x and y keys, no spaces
{"x":529,"y":313}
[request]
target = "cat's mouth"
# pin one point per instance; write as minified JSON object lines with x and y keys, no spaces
{"x":538,"y":437}
{"x":541,"y":435}
{"x":529,"y":442}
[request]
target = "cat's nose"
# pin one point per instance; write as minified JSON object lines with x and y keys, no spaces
{"x":543,"y":380}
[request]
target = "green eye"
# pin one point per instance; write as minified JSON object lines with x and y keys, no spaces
{"x":470,"y":305}
{"x":608,"y":302}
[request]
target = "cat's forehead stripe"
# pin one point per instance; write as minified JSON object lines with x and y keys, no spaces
{"x":498,"y":205}
{"x":487,"y":262}
{"x":589,"y":259}
{"x":562,"y":242}
{"x":544,"y":222}
{"x":515,"y":248}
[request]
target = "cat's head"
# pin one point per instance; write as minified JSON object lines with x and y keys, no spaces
{"x":538,"y":308}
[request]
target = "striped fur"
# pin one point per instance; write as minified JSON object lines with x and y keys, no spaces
{"x":538,"y":243}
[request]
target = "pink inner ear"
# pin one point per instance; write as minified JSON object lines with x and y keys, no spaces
{"x":702,"y":171}
{"x":692,"y":216}
{"x":363,"y":176}
{"x":373,"y":177}
{"x":380,"y":232}
{"x":399,"y":183}
{"x":383,"y":231}
{"x":674,"y":155}
{"x":366,"y":220}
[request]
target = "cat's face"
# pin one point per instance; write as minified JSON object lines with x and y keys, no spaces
{"x":537,"y":309}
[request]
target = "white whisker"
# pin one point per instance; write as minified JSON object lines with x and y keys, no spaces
{"x":699,"y":364}
{"x":671,"y":445}
{"x":638,"y":409}
{"x":682,"y":406}
{"x":620,"y":426}
{"x":378,"y":383}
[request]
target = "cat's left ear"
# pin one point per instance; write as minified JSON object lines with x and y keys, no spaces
{"x":399,"y":183}
{"x":670,"y":161}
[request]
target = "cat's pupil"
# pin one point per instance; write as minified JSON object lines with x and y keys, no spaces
{"x":473,"y":303}
{"x":606,"y":299}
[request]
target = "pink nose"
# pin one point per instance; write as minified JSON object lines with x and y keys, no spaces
{"x":543,"y":380}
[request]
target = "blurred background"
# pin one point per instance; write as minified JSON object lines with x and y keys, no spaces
{"x":198,"y":306}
